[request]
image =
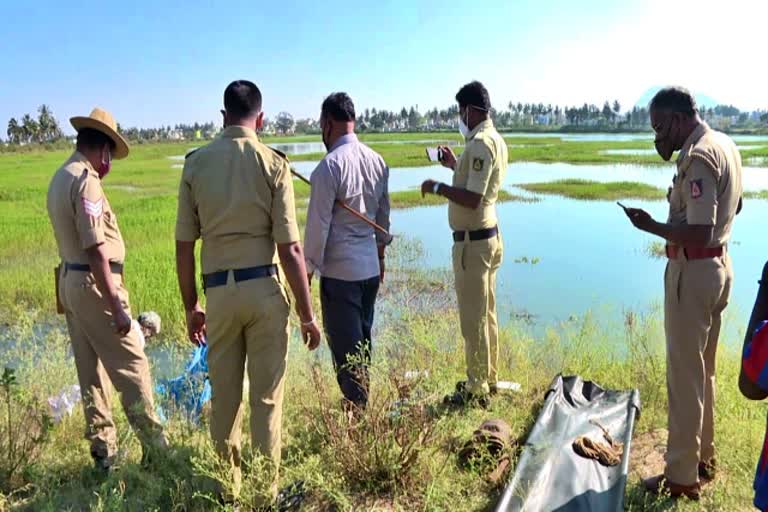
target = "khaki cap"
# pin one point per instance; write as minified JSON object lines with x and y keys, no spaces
{"x":102,"y":121}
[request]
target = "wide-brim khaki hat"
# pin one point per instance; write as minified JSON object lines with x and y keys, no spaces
{"x":103,"y":121}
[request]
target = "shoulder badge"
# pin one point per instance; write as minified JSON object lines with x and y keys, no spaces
{"x":697,"y":188}
{"x":477,"y":164}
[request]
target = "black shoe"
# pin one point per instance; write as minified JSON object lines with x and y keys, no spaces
{"x":104,"y":465}
{"x":460,"y":399}
{"x":291,"y":497}
{"x":707,"y":471}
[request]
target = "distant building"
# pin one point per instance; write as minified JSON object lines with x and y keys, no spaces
{"x":212,"y":132}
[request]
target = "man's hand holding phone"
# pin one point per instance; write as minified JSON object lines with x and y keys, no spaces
{"x":639,"y":218}
{"x":434,"y":154}
{"x":447,"y":158}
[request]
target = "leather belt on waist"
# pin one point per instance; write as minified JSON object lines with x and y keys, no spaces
{"x":215,"y":279}
{"x":480,"y":234}
{"x":694,"y":253}
{"x":116,"y":268}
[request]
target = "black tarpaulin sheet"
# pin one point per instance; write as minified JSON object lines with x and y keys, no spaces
{"x":550,"y":476}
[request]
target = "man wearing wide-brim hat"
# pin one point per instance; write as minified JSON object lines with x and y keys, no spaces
{"x":92,"y":295}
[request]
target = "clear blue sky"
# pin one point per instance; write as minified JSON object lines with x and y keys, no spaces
{"x":153,"y":64}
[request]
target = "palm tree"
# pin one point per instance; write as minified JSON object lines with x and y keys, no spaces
{"x":14,"y":131}
{"x":29,"y":128}
{"x":48,"y":126}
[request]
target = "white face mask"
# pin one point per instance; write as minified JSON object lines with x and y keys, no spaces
{"x":463,"y":128}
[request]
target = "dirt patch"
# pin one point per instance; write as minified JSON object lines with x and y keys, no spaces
{"x":647,"y":454}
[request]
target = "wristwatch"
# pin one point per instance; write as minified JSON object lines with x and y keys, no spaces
{"x":436,"y":187}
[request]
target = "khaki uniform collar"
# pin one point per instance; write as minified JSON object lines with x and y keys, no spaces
{"x":79,"y":158}
{"x":692,"y":139}
{"x":239,"y":132}
{"x":485,"y":125}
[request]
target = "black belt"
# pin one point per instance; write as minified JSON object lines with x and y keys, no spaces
{"x":116,"y":268}
{"x":480,"y":234}
{"x":215,"y":279}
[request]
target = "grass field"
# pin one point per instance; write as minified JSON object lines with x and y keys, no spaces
{"x":142,"y":191}
{"x":371,"y":469}
{"x":522,"y":149}
{"x":593,"y":190}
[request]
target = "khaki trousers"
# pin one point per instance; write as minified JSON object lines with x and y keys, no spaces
{"x":474,"y":266}
{"x":696,"y":293}
{"x":101,"y":356}
{"x":247,"y":329}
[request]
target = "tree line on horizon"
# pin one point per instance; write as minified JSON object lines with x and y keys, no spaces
{"x":44,"y":128}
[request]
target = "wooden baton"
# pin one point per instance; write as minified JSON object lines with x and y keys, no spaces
{"x":347,"y":207}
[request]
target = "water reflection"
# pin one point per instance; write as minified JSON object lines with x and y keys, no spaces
{"x":299,"y":148}
{"x":612,"y":137}
{"x":628,"y":152}
{"x":405,"y":178}
{"x":590,"y":258}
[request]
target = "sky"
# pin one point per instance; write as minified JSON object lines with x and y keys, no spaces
{"x":159,"y":63}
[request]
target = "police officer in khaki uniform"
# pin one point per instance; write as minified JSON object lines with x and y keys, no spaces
{"x":237,"y":195}
{"x":91,"y":292}
{"x":703,"y":202}
{"x":477,"y":250}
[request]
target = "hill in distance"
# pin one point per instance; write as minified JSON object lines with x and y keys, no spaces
{"x":702,"y":100}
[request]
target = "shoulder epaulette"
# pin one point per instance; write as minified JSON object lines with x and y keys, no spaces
{"x":705,"y":155}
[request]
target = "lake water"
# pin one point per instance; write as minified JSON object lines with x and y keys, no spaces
{"x":589,"y":258}
{"x":614,"y":137}
{"x":405,"y":178}
{"x":299,"y":148}
{"x":304,"y":148}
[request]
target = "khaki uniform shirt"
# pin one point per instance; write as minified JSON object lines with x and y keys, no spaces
{"x":80,"y":213}
{"x":481,"y":169}
{"x":707,"y":188}
{"x":237,"y":195}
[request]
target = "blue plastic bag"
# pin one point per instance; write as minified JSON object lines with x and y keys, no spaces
{"x":189,"y":392}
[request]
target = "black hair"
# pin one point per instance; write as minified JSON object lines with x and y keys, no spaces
{"x":89,"y":138}
{"x":674,"y":99}
{"x":242,"y":99}
{"x":475,"y":94}
{"x":339,"y":107}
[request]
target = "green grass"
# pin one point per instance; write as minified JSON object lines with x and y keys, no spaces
{"x":549,"y":149}
{"x":763,"y":194}
{"x":593,"y":190}
{"x":413,"y":199}
{"x":142,"y":191}
{"x":417,"y":328}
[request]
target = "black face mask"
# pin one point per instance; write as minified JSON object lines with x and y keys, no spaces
{"x":665,"y":145}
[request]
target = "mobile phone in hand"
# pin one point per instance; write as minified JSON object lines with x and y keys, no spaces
{"x":434,"y":154}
